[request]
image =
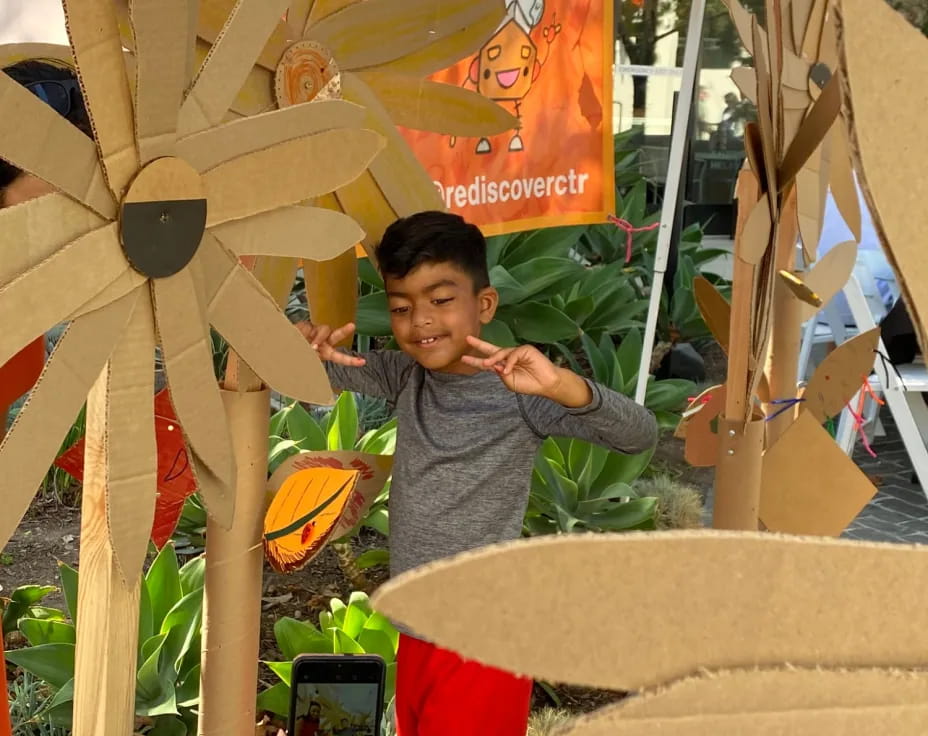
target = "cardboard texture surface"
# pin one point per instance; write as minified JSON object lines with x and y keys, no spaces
{"x":889,"y":154}
{"x":702,"y":443}
{"x":809,"y":485}
{"x":830,"y":274}
{"x":738,"y":474}
{"x":814,"y":128}
{"x":330,"y":303}
{"x":796,"y":601}
{"x":840,"y":375}
{"x":232,"y":603}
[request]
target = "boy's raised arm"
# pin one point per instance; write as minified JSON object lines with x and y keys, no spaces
{"x":380,"y":373}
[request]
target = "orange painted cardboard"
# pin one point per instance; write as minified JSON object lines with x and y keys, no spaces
{"x":889,"y":154}
{"x":807,"y":602}
{"x":810,"y":486}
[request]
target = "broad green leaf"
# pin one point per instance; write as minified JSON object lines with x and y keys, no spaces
{"x":283,"y":670}
{"x":146,"y":615}
{"x":343,"y":427}
{"x":53,"y":663}
{"x":354,"y":620}
{"x":669,"y":394}
{"x":379,"y":622}
{"x":62,"y":700}
{"x":326,"y":622}
{"x":372,"y":558}
{"x":380,"y":441}
{"x":163,"y":583}
{"x":347,"y":645}
{"x":373,"y":315}
{"x":278,"y":422}
{"x":629,"y":355}
{"x":598,"y":361}
{"x":47,"y":614}
{"x":580,"y":308}
{"x":150,"y":686}
{"x":538,"y":274}
{"x":577,"y":457}
{"x":377,"y":642}
{"x":304,"y":430}
{"x":592,"y":468}
{"x":275,"y":700}
{"x":543,"y":243}
{"x":498,"y":333}
{"x":192,"y":575}
{"x":368,"y":273}
{"x":390,"y":682}
{"x":182,"y":624}
{"x":510,"y":290}
{"x":299,"y":637}
{"x":638,"y":513}
{"x":38,"y":631}
{"x":29,"y":595}
{"x":361,"y":600}
{"x":378,"y":520}
{"x":338,"y":609}
{"x":168,"y":726}
{"x":164,"y":705}
{"x":621,"y":468}
{"x":188,"y":688}
{"x":538,"y":322}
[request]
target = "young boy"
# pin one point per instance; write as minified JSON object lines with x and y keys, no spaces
{"x":471,"y":418}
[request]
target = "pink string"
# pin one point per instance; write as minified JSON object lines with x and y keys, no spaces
{"x":630,"y":230}
{"x":858,"y":415}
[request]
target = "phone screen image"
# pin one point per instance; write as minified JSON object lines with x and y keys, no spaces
{"x":336,"y":709}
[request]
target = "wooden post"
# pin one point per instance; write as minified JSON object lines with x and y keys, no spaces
{"x":108,"y":606}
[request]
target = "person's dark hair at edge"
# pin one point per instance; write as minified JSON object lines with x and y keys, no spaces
{"x":30,"y":72}
{"x":433,"y":237}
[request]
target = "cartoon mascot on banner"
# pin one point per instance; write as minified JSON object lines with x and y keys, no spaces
{"x":509,"y":64}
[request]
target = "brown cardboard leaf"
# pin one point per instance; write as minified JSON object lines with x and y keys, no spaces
{"x":188,"y":360}
{"x":294,"y":232}
{"x":765,"y":120}
{"x":905,"y":720}
{"x":795,"y":601}
{"x":840,"y":375}
{"x":753,"y":149}
{"x":796,"y":99}
{"x":455,"y":46}
{"x":216,"y":146}
{"x":26,"y":296}
{"x":374,"y":470}
{"x":812,"y":132}
{"x":778,"y":689}
{"x":228,"y":63}
{"x":743,"y":20}
{"x":31,"y":444}
{"x":714,"y":309}
{"x":757,"y":233}
{"x":94,"y":31}
{"x":421,"y":104}
{"x":746,"y":81}
{"x":213,"y":16}
{"x":813,"y":35}
{"x":795,"y":73}
{"x":132,"y":453}
{"x":800,"y":12}
{"x":842,"y":182}
{"x":288,"y":173}
{"x":39,"y":228}
{"x":51,"y":148}
{"x":161,"y":50}
{"x":702,"y":441}
{"x":357,"y":31}
{"x":366,"y":203}
{"x":276,"y":275}
{"x":272,"y":347}
{"x":889,"y":151}
{"x":810,"y":486}
{"x":399,"y":175}
{"x":811,"y":194}
{"x":830,"y":274}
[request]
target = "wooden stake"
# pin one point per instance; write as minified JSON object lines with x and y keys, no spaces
{"x":108,"y":606}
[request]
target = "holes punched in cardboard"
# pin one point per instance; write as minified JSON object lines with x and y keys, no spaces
{"x":163,"y":218}
{"x":307,"y":71}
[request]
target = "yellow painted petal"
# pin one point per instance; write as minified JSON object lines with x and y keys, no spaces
{"x":323,"y":9}
{"x":447,"y":109}
{"x":30,"y":446}
{"x":378,"y":31}
{"x":288,"y":173}
{"x":298,"y":14}
{"x":94,"y":30}
{"x":365,"y":202}
{"x":331,"y":291}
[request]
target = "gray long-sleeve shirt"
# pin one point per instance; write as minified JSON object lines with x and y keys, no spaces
{"x":466,"y":446}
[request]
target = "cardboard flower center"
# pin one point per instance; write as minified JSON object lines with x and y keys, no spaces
{"x":307,"y":71}
{"x":163,"y":218}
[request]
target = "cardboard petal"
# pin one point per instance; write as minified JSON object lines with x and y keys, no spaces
{"x":746,"y":81}
{"x":257,"y":94}
{"x":795,"y":601}
{"x":25,"y":309}
{"x":811,"y":193}
{"x":288,"y":173}
{"x":132,"y":451}
{"x":324,"y":8}
{"x":421,"y":104}
{"x":29,"y":448}
{"x":890,"y":152}
{"x":451,"y":49}
{"x":228,"y":63}
{"x":211,"y":148}
{"x":830,"y":274}
{"x":812,"y":132}
{"x":93,"y":27}
{"x":399,"y":175}
{"x":128,"y":281}
{"x":841,"y":180}
{"x":292,"y":232}
{"x":757,"y":232}
{"x":840,"y":375}
{"x":35,"y":230}
{"x":356,"y":35}
{"x":188,"y":361}
{"x":832,"y":492}
{"x":252,"y":323}
{"x":51,"y":148}
{"x":298,"y":14}
{"x":800,"y":12}
{"x":162,"y":45}
{"x":365,"y":202}
{"x":765,"y":120}
{"x":213,"y":16}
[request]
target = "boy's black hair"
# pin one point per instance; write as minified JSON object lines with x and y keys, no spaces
{"x":434,"y":237}
{"x":37,"y":70}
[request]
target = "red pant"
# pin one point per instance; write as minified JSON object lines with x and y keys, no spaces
{"x":440,"y":694}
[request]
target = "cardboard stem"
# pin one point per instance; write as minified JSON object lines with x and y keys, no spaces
{"x":738,"y":474}
{"x":331,"y":291}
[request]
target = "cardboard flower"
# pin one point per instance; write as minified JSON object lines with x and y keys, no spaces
{"x":140,"y":247}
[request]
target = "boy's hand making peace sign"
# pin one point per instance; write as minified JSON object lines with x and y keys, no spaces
{"x":526,"y":370}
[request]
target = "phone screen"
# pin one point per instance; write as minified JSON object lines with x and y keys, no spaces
{"x":337,"y":698}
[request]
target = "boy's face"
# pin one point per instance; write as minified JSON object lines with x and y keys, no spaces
{"x":433,"y":310}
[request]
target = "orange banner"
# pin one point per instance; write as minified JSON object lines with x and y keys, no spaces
{"x":550,"y":64}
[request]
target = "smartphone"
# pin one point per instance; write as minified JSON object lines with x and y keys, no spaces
{"x":337,"y":695}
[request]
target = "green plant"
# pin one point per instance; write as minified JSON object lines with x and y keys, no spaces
{"x":679,"y":506}
{"x":189,"y":537}
{"x":168,"y":670}
{"x":578,"y":486}
{"x":23,"y":603}
{"x":547,"y":722}
{"x":29,"y":697}
{"x":352,"y":628}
